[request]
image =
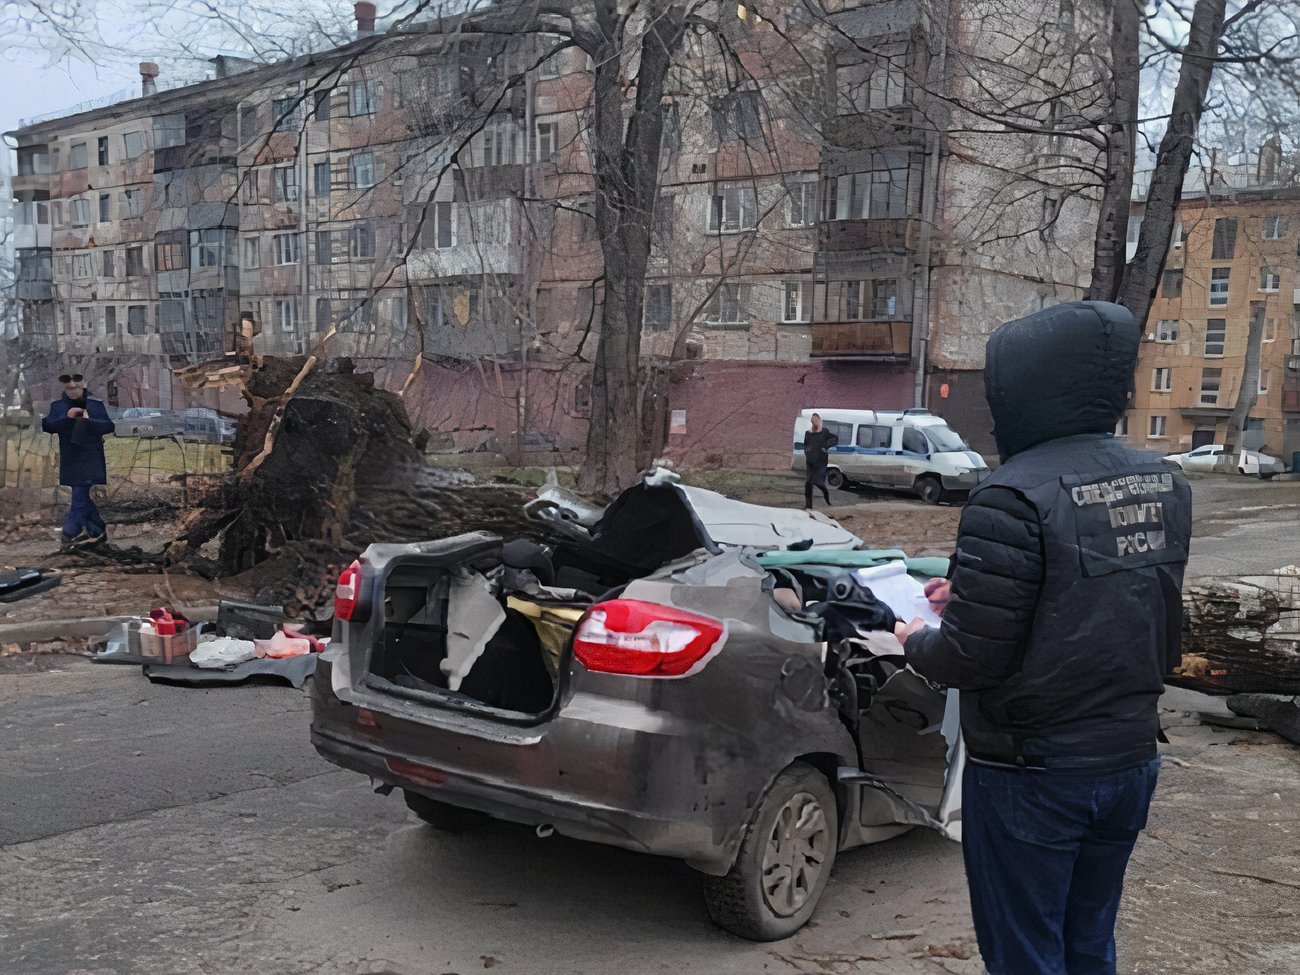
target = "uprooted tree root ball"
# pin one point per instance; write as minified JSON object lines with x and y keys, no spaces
{"x":325,"y":464}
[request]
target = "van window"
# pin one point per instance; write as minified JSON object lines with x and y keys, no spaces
{"x":875,"y":437}
{"x":944,"y":438}
{"x":914,"y":441}
{"x":842,"y":431}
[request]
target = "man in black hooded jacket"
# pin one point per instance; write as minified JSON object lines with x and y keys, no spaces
{"x":1061,"y":618}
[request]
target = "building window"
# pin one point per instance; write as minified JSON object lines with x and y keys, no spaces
{"x":85,"y":320}
{"x":398,"y":313}
{"x":321,"y":111}
{"x":443,"y":225}
{"x":208,"y":248}
{"x":499,"y":138}
{"x":1156,"y":431}
{"x":284,"y":248}
{"x":887,"y":84}
{"x":1265,"y":380}
{"x":365,"y":98}
{"x":102,"y":150}
{"x":110,"y":321}
{"x":1269,"y":280}
{"x":248,"y":126}
{"x":137,"y":320}
{"x":1216,"y":331}
{"x":1171,"y":284}
{"x":1270,"y":330}
{"x":880,"y":193}
{"x":662,"y":221}
{"x":1225,"y":239}
{"x":1219,"y":285}
{"x":1274,"y":226}
{"x":133,"y":144}
{"x":251,"y":187}
{"x":725,"y":307}
{"x":81,"y":266}
{"x":884,"y":297}
{"x":738,"y":115}
{"x":320,"y":178}
{"x":658,"y":306}
{"x":803,"y":203}
{"x":324,"y":247}
{"x":287,"y":113}
{"x":361,"y":241}
{"x":79,"y":211}
{"x":733,"y":208}
{"x":324,"y":312}
{"x":361,"y":169}
{"x":134,"y":262}
{"x":110,"y":266}
{"x":168,"y":255}
{"x":1161,"y":379}
{"x":546,"y":141}
{"x":1210,"y":381}
{"x":797,"y":303}
{"x":77,"y":156}
{"x":168,"y":130}
{"x":252,"y":252}
{"x":1121,"y":428}
{"x":284,"y":184}
{"x":286,"y":314}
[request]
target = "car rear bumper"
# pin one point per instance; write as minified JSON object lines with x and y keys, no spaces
{"x":665,"y":796}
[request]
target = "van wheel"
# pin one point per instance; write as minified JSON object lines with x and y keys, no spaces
{"x":928,"y":489}
{"x":784,"y":862}
{"x":441,"y":816}
{"x":835,"y":478}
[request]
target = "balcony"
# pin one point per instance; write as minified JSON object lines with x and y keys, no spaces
{"x":486,"y":240}
{"x":881,"y":341}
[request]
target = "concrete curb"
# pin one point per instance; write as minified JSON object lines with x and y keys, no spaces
{"x":40,"y":631}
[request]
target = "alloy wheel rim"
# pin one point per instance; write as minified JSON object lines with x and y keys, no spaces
{"x":795,"y":854}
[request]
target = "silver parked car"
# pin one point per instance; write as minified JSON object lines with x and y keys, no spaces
{"x":678,"y":674}
{"x":1249,"y":462}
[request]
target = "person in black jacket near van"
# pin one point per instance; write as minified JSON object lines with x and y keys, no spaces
{"x":817,"y":443}
{"x":1062,"y":616}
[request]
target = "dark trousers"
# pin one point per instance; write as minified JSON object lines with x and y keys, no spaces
{"x":82,"y":515}
{"x":1045,"y":857}
{"x":815,"y":477}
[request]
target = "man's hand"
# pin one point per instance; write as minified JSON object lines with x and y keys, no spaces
{"x":904,"y":630}
{"x":76,"y":413}
{"x":938,"y":591}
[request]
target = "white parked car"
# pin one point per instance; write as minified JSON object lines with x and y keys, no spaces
{"x":1248,"y":461}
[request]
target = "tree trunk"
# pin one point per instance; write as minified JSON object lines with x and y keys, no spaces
{"x":1121,"y":139}
{"x":1248,"y":390}
{"x":1142,"y":275}
{"x":627,"y":178}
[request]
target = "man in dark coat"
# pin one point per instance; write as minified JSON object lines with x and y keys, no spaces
{"x":1061,"y":618}
{"x":816,"y":444}
{"x":81,"y":422}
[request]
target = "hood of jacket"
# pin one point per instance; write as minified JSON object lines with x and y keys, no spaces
{"x":1062,"y":371}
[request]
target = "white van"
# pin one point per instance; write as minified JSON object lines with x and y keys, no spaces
{"x":909,"y":449}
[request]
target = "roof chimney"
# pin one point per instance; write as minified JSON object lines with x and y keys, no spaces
{"x":365,"y":13}
{"x":148,"y":74}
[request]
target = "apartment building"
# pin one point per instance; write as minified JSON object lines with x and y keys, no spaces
{"x":429,"y":196}
{"x":1233,"y":258}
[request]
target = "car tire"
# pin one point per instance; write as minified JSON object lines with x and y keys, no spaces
{"x":441,"y":816}
{"x":784,"y":861}
{"x":928,"y":489}
{"x":835,"y":478}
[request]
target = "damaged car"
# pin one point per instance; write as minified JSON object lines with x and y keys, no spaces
{"x":679,"y":674}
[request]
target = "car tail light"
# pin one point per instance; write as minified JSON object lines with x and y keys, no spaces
{"x":347,"y":593}
{"x":628,"y":636}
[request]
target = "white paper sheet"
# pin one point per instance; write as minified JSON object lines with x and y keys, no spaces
{"x":891,"y":584}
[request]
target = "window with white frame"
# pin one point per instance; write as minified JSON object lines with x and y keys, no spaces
{"x":878,"y":194}
{"x":500,"y":137}
{"x":105,"y":207}
{"x":284,"y":248}
{"x":320,"y":178}
{"x":398,"y":313}
{"x":284,"y":183}
{"x":1156,"y":429}
{"x":444,"y":224}
{"x":733,"y":208}
{"x":884,"y":297}
{"x":77,"y":158}
{"x":79,"y":211}
{"x":361,"y":169}
{"x":1179,"y":235}
{"x":1219,"y":278}
{"x":110,"y":264}
{"x":365,"y":98}
{"x":1265,"y":381}
{"x":1211,"y":381}
{"x":137,"y":319}
{"x":1161,"y":379}
{"x":81,"y":266}
{"x":133,"y":144}
{"x":324,"y":247}
{"x":726,"y":306}
{"x":887,"y":85}
{"x":286,"y":314}
{"x":1269,"y":279}
{"x":252,"y":252}
{"x":546,"y":141}
{"x":85,"y":320}
{"x":658,"y":313}
{"x":1216,"y":335}
{"x":1270,"y":330}
{"x":803,"y":202}
{"x":1274,"y":226}
{"x":287,"y":113}
{"x":797,"y":302}
{"x":250,"y":188}
{"x":134,"y":262}
{"x":1167,"y":330}
{"x":361,"y":241}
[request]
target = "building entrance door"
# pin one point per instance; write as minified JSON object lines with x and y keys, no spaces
{"x":1202,"y":436}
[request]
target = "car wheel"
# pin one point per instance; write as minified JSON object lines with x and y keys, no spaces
{"x":928,"y":489}
{"x":1241,"y":471}
{"x":835,"y":478}
{"x":441,"y":816}
{"x":784,"y":861}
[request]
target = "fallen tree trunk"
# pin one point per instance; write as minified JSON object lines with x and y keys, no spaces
{"x":1242,"y":636}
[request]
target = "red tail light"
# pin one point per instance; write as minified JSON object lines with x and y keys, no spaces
{"x":348,"y":592}
{"x":628,"y":636}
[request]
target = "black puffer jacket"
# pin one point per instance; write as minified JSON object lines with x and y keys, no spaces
{"x":1066,"y":609}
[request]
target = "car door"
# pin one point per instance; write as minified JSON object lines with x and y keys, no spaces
{"x":1203,"y":458}
{"x":873,"y":450}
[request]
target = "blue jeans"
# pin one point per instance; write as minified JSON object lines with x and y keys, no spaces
{"x":82,"y":515}
{"x":1045,"y":857}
